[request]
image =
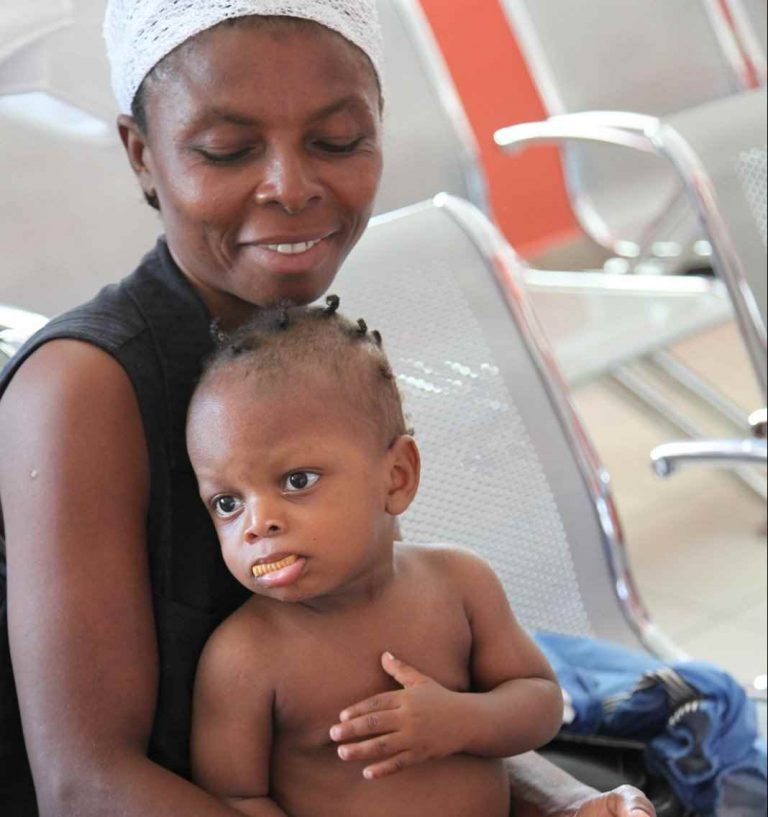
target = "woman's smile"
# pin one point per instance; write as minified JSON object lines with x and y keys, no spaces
{"x":285,"y":256}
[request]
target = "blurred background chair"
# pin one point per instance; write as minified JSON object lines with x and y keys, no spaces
{"x":23,"y":31}
{"x":71,"y":214}
{"x":16,"y":325}
{"x":717,"y":153}
{"x":429,"y":145}
{"x":656,"y":58}
{"x":750,"y":19}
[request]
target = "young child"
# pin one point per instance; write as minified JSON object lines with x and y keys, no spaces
{"x":364,"y":677}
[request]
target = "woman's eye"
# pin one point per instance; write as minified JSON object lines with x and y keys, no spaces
{"x":225,"y":158}
{"x":225,"y":506}
{"x":339,"y":147}
{"x":300,"y":481}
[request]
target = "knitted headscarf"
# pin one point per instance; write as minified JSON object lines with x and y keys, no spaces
{"x":139,"y":33}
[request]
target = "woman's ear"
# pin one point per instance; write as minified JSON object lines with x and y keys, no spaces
{"x":135,"y":143}
{"x":404,"y":474}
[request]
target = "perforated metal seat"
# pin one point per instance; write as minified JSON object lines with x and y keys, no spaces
{"x":508,"y":470}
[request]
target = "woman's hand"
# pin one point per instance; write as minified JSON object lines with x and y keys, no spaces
{"x":540,"y":789}
{"x":626,"y":801}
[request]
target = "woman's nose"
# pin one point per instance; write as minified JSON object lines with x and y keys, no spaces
{"x":289,"y":180}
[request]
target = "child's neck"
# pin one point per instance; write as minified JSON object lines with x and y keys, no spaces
{"x":361,"y":592}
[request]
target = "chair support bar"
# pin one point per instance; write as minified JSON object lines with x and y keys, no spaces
{"x":668,"y":457}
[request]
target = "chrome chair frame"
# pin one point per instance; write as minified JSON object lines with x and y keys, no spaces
{"x":504,"y":262}
{"x":747,"y":30}
{"x":653,"y":135}
{"x":672,"y":212}
{"x":16,"y":325}
{"x":668,"y":457}
{"x":411,"y":16}
{"x":508,"y":271}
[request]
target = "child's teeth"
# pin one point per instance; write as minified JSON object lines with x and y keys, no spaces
{"x":262,"y":570}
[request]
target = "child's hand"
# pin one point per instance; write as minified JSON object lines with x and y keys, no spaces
{"x":421,"y":722}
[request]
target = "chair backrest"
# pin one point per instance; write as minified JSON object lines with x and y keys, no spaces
{"x":750,"y":19}
{"x":429,"y":146}
{"x":25,"y":26}
{"x":726,"y":174}
{"x":72,"y":217}
{"x":507,"y":469}
{"x":656,"y":57}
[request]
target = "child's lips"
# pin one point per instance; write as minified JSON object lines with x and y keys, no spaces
{"x":274,"y":563}
{"x":279,"y":572}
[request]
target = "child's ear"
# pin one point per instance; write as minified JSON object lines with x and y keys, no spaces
{"x":404,"y":474}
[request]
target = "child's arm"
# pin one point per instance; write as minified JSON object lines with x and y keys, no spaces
{"x":232,"y":725}
{"x":516,"y":705}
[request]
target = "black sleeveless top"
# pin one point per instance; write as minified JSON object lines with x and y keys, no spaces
{"x":154,"y":324}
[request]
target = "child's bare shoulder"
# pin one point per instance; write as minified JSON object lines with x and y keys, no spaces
{"x":460,"y":565}
{"x":244,"y":636}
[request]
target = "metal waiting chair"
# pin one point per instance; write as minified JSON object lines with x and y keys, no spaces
{"x":16,"y":325}
{"x":718,"y":152}
{"x":656,"y":58}
{"x":429,"y":145}
{"x":750,"y":19}
{"x":508,"y":469}
{"x":64,"y":170}
{"x":23,"y":29}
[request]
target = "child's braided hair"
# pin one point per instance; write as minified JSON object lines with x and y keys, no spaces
{"x":283,"y":341}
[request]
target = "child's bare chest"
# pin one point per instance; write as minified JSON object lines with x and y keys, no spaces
{"x":335,"y":662}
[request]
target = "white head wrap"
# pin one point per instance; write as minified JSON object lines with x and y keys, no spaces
{"x":139,"y":33}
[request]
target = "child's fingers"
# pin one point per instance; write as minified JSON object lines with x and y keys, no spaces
{"x":405,"y":675}
{"x":379,"y":748}
{"x":391,"y":766}
{"x":374,"y":723}
{"x":378,"y":703}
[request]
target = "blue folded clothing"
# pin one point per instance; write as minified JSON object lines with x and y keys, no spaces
{"x":697,"y":724}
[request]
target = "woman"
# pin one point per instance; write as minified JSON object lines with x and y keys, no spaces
{"x":258,"y":140}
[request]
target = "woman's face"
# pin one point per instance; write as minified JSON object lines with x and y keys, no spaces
{"x":263,"y":147}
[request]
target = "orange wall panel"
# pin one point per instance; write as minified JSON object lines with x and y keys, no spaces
{"x":527,"y":191}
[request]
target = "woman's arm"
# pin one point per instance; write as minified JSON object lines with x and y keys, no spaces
{"x":540,"y":789}
{"x":74,"y":486}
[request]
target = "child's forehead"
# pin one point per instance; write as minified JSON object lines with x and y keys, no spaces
{"x":287,"y":395}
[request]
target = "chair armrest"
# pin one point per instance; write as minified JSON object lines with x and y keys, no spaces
{"x":669,"y":456}
{"x":758,"y":422}
{"x":613,"y":128}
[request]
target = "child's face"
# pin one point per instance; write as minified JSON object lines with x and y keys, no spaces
{"x":301,"y":491}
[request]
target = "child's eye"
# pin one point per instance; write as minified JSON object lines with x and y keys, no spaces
{"x":225,"y":506}
{"x":300,"y":481}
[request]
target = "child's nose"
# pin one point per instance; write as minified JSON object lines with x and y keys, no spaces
{"x":265,"y":522}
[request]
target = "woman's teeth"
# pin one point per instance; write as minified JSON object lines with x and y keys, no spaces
{"x":272,"y":567}
{"x":292,"y":249}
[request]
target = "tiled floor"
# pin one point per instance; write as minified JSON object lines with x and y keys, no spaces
{"x":697,"y":541}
